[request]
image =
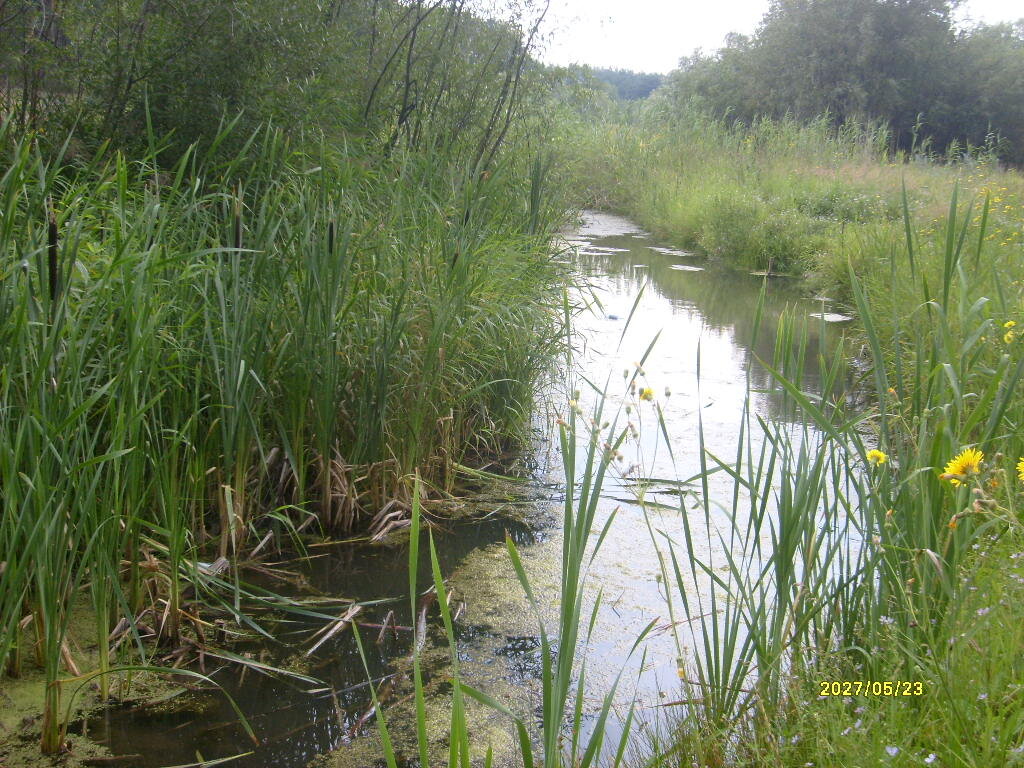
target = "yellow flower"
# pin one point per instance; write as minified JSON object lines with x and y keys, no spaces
{"x":1008,"y":337}
{"x":1020,"y":470}
{"x":646,"y":393}
{"x":1009,"y":324}
{"x":875,"y":456}
{"x":967,"y":463}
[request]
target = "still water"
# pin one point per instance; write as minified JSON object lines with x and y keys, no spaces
{"x":692,"y":326}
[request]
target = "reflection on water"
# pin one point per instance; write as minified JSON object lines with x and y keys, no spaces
{"x":293,"y":724}
{"x":699,"y":325}
{"x":705,"y":318}
{"x":692,"y":302}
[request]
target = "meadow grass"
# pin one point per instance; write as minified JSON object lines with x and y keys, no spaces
{"x":793,"y":197}
{"x":204,"y":358}
{"x":853,"y":547}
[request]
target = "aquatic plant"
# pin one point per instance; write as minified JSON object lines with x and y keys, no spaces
{"x":206,"y":358}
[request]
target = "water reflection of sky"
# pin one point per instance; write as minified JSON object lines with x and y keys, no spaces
{"x":701,"y":318}
{"x":703,"y":315}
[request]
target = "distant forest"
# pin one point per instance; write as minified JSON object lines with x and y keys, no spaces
{"x":904,"y":62}
{"x":939,"y":89}
{"x":628,"y":85}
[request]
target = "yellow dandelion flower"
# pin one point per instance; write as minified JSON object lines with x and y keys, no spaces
{"x":1020,"y":470}
{"x":875,"y":456}
{"x":1008,"y":337}
{"x":646,"y":393}
{"x":967,"y":463}
{"x":1009,"y":324}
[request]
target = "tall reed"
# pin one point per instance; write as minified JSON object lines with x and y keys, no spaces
{"x":236,"y":344}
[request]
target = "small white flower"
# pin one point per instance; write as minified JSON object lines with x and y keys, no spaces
{"x":983,"y":611}
{"x":931,"y":758}
{"x":892,"y":751}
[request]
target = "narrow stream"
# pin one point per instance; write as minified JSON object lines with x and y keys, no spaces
{"x":705,"y":315}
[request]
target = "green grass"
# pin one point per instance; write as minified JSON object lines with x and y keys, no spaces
{"x":790,"y":196}
{"x":828,"y":564}
{"x":556,"y":739}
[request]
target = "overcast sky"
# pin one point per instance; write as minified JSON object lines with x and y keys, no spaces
{"x":651,"y":35}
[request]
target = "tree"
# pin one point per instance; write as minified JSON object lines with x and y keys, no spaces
{"x":896,"y":60}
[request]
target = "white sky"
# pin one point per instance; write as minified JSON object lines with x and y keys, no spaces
{"x":651,"y":35}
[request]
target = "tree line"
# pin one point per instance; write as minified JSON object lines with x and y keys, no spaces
{"x":627,"y":85}
{"x":905,"y":62}
{"x":437,"y":73}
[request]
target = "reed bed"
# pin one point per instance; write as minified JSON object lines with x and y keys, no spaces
{"x":204,"y":359}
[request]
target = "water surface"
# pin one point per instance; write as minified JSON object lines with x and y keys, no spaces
{"x":703,"y":319}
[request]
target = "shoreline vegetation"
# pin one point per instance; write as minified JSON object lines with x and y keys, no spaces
{"x":222,"y":339}
{"x":218,"y":371}
{"x":260,"y":267}
{"x":896,"y":539}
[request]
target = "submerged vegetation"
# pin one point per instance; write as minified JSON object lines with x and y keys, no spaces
{"x":287,"y":279}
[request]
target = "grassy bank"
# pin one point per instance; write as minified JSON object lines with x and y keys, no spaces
{"x":876,"y":547}
{"x":208,"y":357}
{"x":868,"y":546}
{"x":202,"y":359}
{"x":794,"y":197}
